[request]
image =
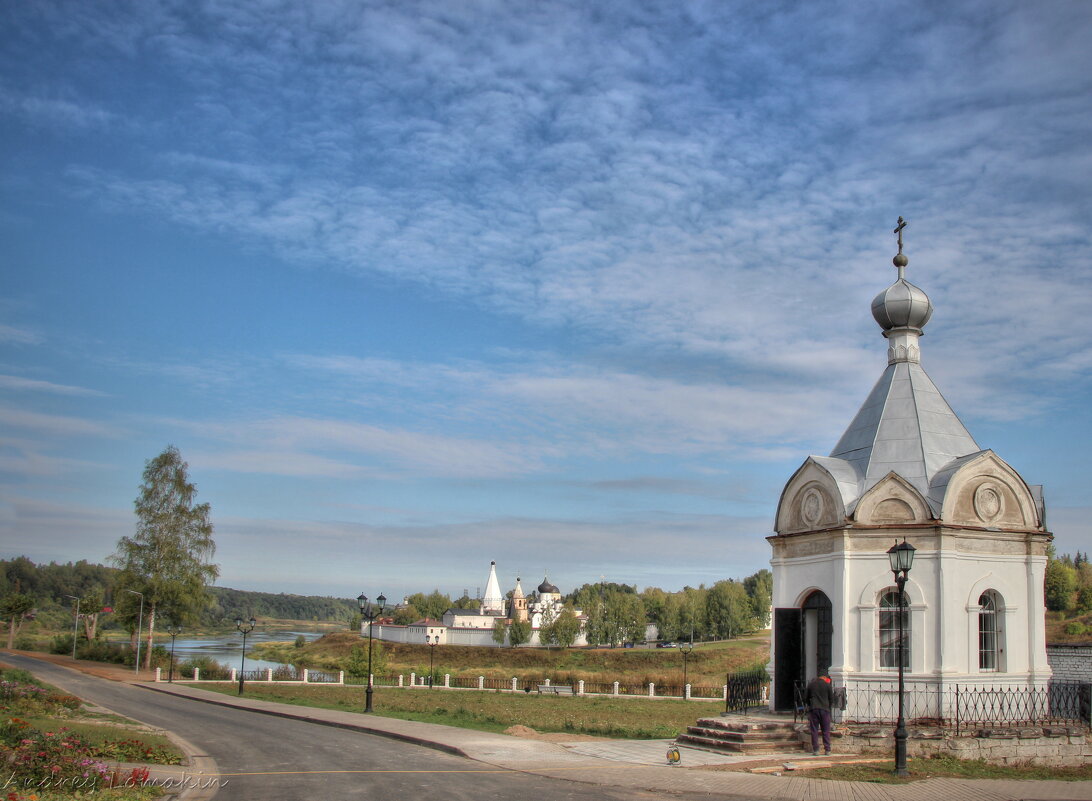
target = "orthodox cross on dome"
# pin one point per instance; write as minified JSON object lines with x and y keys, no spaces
{"x":898,"y":230}
{"x":900,"y":260}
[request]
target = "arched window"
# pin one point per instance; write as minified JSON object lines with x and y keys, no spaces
{"x":988,"y":632}
{"x":889,"y":631}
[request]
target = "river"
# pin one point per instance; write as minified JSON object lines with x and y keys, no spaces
{"x":227,"y":648}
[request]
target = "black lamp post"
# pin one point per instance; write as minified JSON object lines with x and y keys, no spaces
{"x":245,"y":627}
{"x":174,"y":630}
{"x":686,"y":649}
{"x":370,"y":613}
{"x":901,"y":555}
{"x":432,"y":642}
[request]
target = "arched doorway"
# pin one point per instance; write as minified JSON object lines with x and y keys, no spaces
{"x":803,"y":645}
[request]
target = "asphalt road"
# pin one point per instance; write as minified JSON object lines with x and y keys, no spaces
{"x":262,"y":757}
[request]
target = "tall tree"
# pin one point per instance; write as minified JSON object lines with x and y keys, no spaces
{"x":728,"y":610}
{"x":1059,"y":584}
{"x":168,"y":559}
{"x":759,"y":587}
{"x":92,"y":608}
{"x":15,"y":609}
{"x":519,"y":632}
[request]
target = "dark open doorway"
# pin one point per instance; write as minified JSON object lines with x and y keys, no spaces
{"x":789,"y":652}
{"x":802,"y":645}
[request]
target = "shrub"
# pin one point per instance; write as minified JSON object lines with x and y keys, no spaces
{"x":101,"y":651}
{"x":1084,"y":599}
{"x":210,"y":668}
{"x":1075,"y":628}
{"x":61,"y":644}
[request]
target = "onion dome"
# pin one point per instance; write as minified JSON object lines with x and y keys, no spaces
{"x":902,"y":310}
{"x":902,"y":305}
{"x":546,"y":586}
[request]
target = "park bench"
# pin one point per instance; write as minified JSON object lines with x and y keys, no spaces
{"x":556,"y":689}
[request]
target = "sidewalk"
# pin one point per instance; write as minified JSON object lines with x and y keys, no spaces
{"x":642,"y":764}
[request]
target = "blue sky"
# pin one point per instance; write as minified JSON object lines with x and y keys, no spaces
{"x":570,"y":286}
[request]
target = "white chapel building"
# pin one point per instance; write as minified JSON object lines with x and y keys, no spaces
{"x":907,"y":468}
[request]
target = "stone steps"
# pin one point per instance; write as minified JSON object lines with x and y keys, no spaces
{"x":741,"y":737}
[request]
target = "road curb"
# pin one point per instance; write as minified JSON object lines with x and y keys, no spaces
{"x":359,"y":727}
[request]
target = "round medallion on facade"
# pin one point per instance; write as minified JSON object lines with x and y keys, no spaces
{"x":989,"y":503}
{"x":811,"y":507}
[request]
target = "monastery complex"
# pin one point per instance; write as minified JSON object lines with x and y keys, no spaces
{"x":475,"y":626}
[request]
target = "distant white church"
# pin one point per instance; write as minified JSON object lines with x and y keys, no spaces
{"x":475,"y":626}
{"x":907,"y":468}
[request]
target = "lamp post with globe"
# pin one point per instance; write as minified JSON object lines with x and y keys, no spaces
{"x":901,"y":556}
{"x":370,"y":612}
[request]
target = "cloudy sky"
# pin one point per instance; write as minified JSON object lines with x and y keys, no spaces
{"x":572,"y":286}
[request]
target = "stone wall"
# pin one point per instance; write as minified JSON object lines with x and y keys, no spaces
{"x":1038,"y":745}
{"x":1071,"y":662}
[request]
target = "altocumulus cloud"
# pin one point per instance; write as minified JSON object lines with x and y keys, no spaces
{"x":672,"y":176}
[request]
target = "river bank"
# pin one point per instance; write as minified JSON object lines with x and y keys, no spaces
{"x":707,"y":665}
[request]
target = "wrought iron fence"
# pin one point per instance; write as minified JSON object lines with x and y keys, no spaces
{"x":253,"y":675}
{"x":970,"y":706}
{"x":322,"y":677}
{"x":745,"y":689}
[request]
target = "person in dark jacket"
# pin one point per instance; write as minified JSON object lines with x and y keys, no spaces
{"x":820,"y":698}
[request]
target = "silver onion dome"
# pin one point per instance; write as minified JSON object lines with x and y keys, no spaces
{"x":902,"y":305}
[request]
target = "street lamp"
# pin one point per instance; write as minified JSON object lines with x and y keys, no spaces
{"x":370,"y":613}
{"x":244,"y":626}
{"x":140,"y":619}
{"x":901,"y":556}
{"x":431,"y":642}
{"x":686,"y":649}
{"x":75,"y":624}
{"x":174,"y":630}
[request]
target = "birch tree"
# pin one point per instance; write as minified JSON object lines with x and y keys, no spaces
{"x":168,"y":559}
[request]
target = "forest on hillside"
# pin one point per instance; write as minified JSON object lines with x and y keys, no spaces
{"x":54,"y":586}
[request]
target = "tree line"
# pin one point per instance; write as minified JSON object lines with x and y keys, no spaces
{"x":1068,"y":587}
{"x":52,"y":586}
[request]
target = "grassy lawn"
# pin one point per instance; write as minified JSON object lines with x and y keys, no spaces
{"x":496,"y":711}
{"x":948,"y":767}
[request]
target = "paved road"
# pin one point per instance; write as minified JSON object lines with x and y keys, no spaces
{"x":262,"y":757}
